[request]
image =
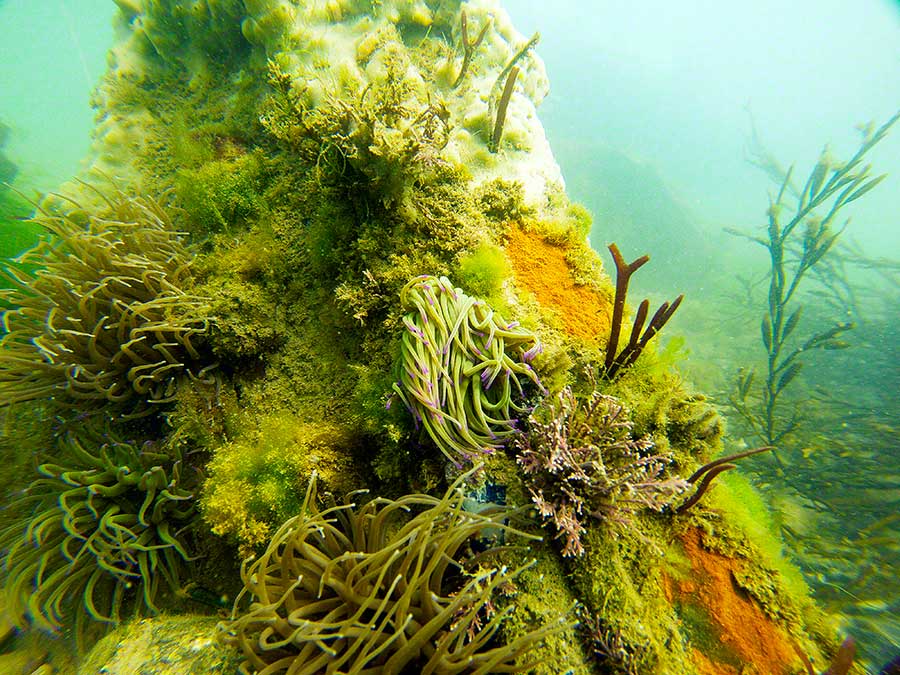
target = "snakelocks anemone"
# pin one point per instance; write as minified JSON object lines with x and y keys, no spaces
{"x":368,"y":589}
{"x":101,"y":528}
{"x":101,"y":314}
{"x":460,"y":367}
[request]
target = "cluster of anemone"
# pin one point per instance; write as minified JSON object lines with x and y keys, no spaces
{"x":100,"y":314}
{"x":580,"y":459}
{"x":101,"y":528}
{"x":386,"y":587}
{"x":459,"y":369}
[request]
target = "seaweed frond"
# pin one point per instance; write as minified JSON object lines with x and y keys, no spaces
{"x":707,"y":473}
{"x":502,"y":107}
{"x":616,"y":361}
{"x":800,"y":233}
{"x":468,"y":46}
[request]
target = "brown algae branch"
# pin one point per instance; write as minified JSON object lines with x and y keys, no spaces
{"x":502,"y":106}
{"x":638,"y":341}
{"x":468,"y":47}
{"x":623,"y":274}
{"x":508,"y":79}
{"x":515,"y":59}
{"x":640,"y":337}
{"x":706,"y":473}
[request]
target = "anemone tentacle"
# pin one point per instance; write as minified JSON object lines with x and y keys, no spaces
{"x":359,"y":590}
{"x":459,"y":368}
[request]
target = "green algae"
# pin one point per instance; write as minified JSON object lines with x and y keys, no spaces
{"x":748,"y":532}
{"x":620,"y":581}
{"x":539,"y":592}
{"x":256,"y":481}
{"x":166,"y":645}
{"x":483,"y":271}
{"x":224,"y":194}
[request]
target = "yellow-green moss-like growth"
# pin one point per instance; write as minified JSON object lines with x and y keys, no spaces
{"x":102,"y":313}
{"x":483,"y":272}
{"x":163,"y":645}
{"x":361,"y":589}
{"x":224,"y":194}
{"x":459,"y":368}
{"x":389,"y":132}
{"x":256,"y":481}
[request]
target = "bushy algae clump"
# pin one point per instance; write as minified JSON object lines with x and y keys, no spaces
{"x":384,"y":587}
{"x":256,"y":481}
{"x":583,"y":461}
{"x":457,"y":376}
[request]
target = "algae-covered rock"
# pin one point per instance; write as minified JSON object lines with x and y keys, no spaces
{"x":165,"y":645}
{"x":322,"y":160}
{"x":258,"y":480}
{"x":330,"y":50}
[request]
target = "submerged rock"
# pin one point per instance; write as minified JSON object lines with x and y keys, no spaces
{"x":164,"y":645}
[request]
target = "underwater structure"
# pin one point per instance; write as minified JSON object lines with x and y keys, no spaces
{"x":316,"y":372}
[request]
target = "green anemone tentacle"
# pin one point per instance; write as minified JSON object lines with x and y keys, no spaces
{"x":459,"y":368}
{"x":103,"y":524}
{"x":409,"y":597}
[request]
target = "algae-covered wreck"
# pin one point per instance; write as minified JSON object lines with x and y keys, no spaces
{"x":314,"y":365}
